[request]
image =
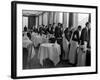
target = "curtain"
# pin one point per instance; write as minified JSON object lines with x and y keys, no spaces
{"x":31,"y":22}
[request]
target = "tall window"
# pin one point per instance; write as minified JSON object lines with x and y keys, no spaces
{"x":25,"y":21}
{"x":82,"y":19}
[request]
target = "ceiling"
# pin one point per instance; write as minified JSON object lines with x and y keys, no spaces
{"x":31,"y":13}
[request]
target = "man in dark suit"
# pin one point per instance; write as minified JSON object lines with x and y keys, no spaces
{"x":68,"y":33}
{"x":58,"y":32}
{"x":75,"y":40}
{"x":25,"y":29}
{"x":58,"y":36}
{"x":85,"y":40}
{"x":77,"y":34}
{"x":40,"y":30}
{"x":85,"y":34}
{"x":49,"y":28}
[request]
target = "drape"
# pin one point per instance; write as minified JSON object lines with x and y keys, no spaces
{"x":31,"y":22}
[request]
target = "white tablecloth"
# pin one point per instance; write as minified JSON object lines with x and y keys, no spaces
{"x":51,"y":51}
{"x":28,"y":44}
{"x":81,"y":57}
{"x":72,"y":51}
{"x":33,"y":34}
{"x":37,"y":39}
{"x":65,"y":48}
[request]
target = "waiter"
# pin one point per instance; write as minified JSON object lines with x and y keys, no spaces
{"x":58,"y":36}
{"x":77,"y":35}
{"x":85,"y":41}
{"x":58,"y":32}
{"x":73,"y":45}
{"x":85,"y":35}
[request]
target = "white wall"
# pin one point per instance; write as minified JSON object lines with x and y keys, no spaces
{"x":5,"y":40}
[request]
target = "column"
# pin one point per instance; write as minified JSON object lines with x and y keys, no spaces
{"x":60,"y":17}
{"x":65,"y":20}
{"x":45,"y":18}
{"x":70,"y":19}
{"x":89,"y":19}
{"x":48,"y":18}
{"x":54,"y":17}
{"x":40,"y":19}
{"x":75,"y":20}
{"x":51,"y":18}
{"x":37,"y":23}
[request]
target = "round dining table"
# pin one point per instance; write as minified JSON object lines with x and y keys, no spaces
{"x":51,"y":51}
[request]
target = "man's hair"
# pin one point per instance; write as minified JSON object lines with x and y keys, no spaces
{"x":79,"y":26}
{"x":86,"y":23}
{"x":58,"y":23}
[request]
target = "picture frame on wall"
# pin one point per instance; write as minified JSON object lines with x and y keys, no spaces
{"x":37,"y":52}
